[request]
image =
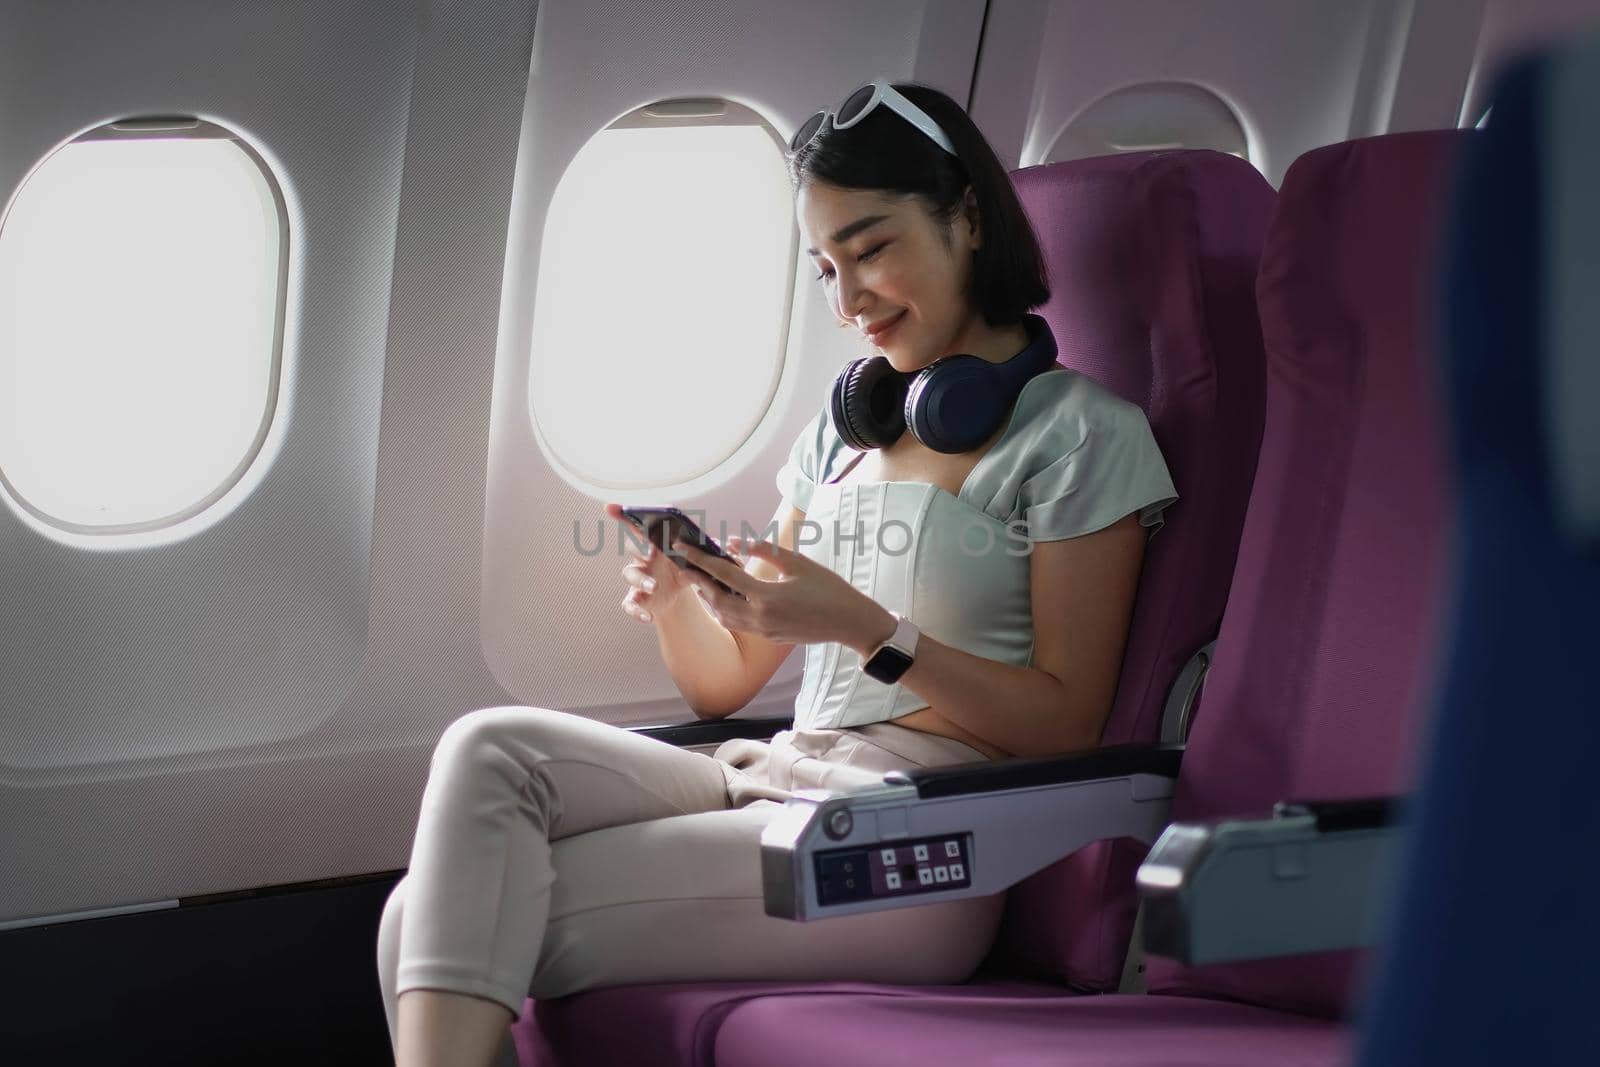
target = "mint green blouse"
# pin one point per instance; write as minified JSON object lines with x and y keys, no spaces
{"x":1074,"y":458}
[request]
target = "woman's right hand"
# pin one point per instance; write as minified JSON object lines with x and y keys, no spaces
{"x":655,"y":583}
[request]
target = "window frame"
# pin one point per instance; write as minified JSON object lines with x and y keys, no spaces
{"x":673,"y":113}
{"x":1090,"y":122}
{"x":181,"y":127}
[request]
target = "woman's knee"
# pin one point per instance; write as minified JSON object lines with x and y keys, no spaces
{"x":480,"y":733}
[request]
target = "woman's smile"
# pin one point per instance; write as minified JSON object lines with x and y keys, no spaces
{"x":888,"y":331}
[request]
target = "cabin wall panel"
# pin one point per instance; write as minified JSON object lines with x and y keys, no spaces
{"x":389,"y":538}
{"x":141,"y":652}
{"x":304,"y":743}
{"x":1437,"y":46}
{"x":1298,"y":73}
{"x":1290,"y":69}
{"x":1514,"y":26}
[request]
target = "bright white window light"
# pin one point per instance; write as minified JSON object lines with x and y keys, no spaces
{"x":660,"y":310}
{"x":140,"y":302}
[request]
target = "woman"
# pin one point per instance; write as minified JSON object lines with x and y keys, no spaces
{"x":554,"y":853}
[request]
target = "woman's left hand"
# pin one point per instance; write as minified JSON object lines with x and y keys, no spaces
{"x":807,"y":605}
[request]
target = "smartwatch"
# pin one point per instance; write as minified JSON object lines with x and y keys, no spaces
{"x":894,"y":657}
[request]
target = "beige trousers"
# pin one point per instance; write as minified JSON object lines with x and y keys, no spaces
{"x":555,"y":854}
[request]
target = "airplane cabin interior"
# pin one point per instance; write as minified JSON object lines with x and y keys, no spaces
{"x":346,"y":345}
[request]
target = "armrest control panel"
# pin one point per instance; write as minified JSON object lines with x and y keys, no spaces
{"x":892,"y":869}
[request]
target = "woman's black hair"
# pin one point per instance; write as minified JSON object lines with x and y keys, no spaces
{"x":886,"y":154}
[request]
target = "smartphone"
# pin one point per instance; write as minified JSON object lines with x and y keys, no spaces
{"x":666,"y":525}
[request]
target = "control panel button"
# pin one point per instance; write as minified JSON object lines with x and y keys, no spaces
{"x":892,"y":879}
{"x":941,"y":874}
{"x":952,"y":849}
{"x":920,"y":852}
{"x":957,"y":872}
{"x":924,"y":876}
{"x":887,"y":855}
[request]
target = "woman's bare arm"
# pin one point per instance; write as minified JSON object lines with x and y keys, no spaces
{"x":1082,"y":590}
{"x":718,"y":670}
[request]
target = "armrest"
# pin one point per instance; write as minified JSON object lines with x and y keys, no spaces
{"x":1113,"y":761}
{"x":715,"y":731}
{"x":956,"y":832}
{"x":1309,"y":879}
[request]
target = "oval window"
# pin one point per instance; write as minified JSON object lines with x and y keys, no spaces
{"x":661,"y":311}
{"x":142,"y":279}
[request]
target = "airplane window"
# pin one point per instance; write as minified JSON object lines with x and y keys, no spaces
{"x":1144,"y":118}
{"x":661,"y":309}
{"x":142,"y":280}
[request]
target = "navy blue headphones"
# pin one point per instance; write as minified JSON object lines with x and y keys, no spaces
{"x":952,"y":405}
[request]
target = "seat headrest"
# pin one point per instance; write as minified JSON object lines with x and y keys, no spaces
{"x":1144,"y":252}
{"x":1353,"y":248}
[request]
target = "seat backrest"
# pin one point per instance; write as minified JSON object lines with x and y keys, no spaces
{"x":1326,"y":647}
{"x":1152,"y":259}
{"x":1505,"y":813}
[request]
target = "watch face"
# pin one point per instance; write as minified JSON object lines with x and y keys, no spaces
{"x":887,"y":665}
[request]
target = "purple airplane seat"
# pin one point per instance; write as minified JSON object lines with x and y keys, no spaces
{"x":1325,"y":655}
{"x":1123,"y":236}
{"x":1152,"y":260}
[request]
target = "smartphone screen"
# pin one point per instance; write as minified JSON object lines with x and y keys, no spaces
{"x":665,"y":525}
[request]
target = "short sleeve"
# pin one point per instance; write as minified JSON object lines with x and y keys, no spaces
{"x":798,"y":475}
{"x":1113,"y":468}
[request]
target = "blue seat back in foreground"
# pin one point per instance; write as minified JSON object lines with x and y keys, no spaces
{"x":1495,"y":936}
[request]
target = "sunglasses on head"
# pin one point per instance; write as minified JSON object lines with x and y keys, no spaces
{"x":859,"y":104}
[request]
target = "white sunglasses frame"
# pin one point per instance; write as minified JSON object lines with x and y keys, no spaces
{"x":888,"y":95}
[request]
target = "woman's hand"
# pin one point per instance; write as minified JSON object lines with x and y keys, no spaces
{"x":807,"y":605}
{"x":655,"y":582}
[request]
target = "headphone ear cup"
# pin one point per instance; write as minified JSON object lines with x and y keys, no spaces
{"x":954,"y":403}
{"x":866,"y":404}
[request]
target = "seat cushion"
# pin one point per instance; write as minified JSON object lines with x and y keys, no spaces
{"x":1008,"y":1031}
{"x":667,"y":1025}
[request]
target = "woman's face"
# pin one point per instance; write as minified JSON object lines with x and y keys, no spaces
{"x":882,"y":261}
